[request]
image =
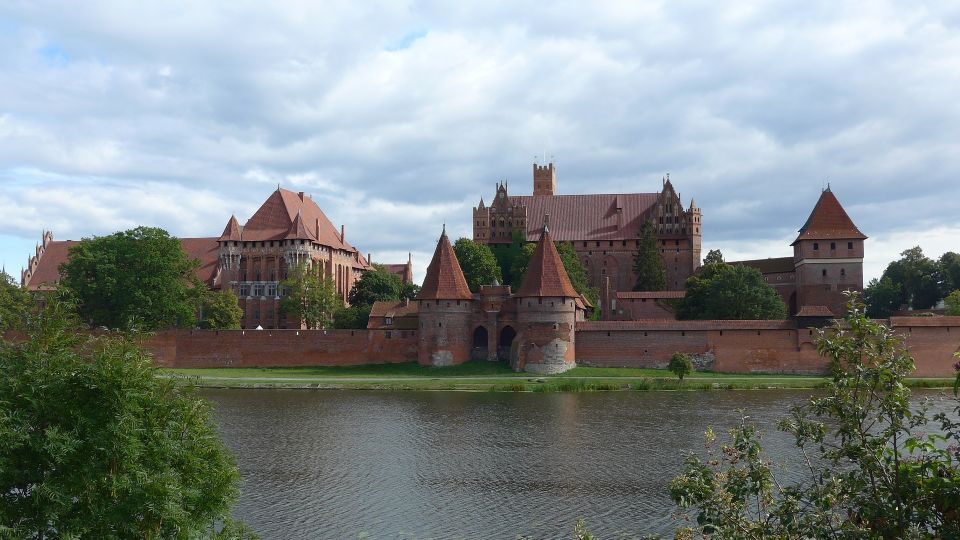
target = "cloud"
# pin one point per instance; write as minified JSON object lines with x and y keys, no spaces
{"x":398,"y":116}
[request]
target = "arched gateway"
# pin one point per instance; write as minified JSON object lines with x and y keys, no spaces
{"x":505,"y":342}
{"x":479,"y":350}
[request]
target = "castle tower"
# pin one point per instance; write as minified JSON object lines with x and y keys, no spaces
{"x":445,"y":307}
{"x":544,"y":179}
{"x":694,"y":232}
{"x":230,"y":250}
{"x":828,"y":257}
{"x":546,"y":313}
{"x":481,"y":223}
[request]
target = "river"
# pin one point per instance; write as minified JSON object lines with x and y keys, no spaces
{"x":405,"y":465}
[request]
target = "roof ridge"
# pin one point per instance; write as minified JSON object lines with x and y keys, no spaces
{"x":444,"y":279}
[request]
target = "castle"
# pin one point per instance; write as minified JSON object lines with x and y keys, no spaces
{"x":535,"y":328}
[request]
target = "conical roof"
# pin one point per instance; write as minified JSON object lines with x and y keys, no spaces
{"x":546,"y":275}
{"x":444,"y":280}
{"x":828,"y":221}
{"x":232,"y":231}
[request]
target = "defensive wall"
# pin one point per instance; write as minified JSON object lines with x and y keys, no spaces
{"x":726,"y":346}
{"x":273,"y":348}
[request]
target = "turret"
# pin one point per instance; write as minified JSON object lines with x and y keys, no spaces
{"x":828,"y":257}
{"x":445,"y":306}
{"x":544,"y":179}
{"x":481,"y":223}
{"x":546,"y":313}
{"x":694,"y":217}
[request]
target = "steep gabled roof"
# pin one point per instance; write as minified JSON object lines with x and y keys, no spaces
{"x":546,"y":276}
{"x":232,"y":231}
{"x":828,"y":221}
{"x":272,"y":221}
{"x":444,"y":280}
{"x":298,"y":231}
{"x":575,"y":218}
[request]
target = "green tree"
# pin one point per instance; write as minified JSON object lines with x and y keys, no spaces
{"x":93,"y":444}
{"x":647,"y":262}
{"x":714,"y":256}
{"x":139,"y":278}
{"x":15,"y":303}
{"x":949,"y":272}
{"x":506,"y":255}
{"x":351,"y":318}
{"x":952,"y":303}
{"x":308,"y":298}
{"x":477,"y":262}
{"x":376,"y":284}
{"x":722,"y":291}
{"x":680,"y":365}
{"x":875,"y":467}
{"x":882,"y":298}
{"x":220,"y":311}
{"x":918,"y":279}
{"x":571,"y":263}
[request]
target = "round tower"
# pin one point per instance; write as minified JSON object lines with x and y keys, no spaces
{"x":546,"y":314}
{"x":445,"y":308}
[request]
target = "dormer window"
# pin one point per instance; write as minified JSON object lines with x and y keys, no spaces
{"x":388,"y":321}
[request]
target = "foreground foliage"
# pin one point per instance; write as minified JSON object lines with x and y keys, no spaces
{"x":308,"y":298}
{"x":477,"y":262}
{"x":730,"y":292}
{"x":648,"y":262}
{"x":93,"y":445}
{"x":877,"y":468}
{"x":220,"y":311}
{"x":15,"y":303}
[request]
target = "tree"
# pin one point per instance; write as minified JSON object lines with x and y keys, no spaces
{"x":308,"y":298}
{"x":15,"y":303}
{"x":139,"y":279}
{"x":714,"y":256}
{"x":571,"y":263}
{"x":220,"y":311}
{"x":374,"y":285}
{"x":875,"y":467}
{"x":722,"y":291}
{"x":351,"y":318}
{"x":949,"y":272}
{"x":93,"y":444}
{"x":506,"y":254}
{"x":477,"y":262}
{"x":952,"y":303}
{"x":882,"y":298}
{"x":680,"y":365}
{"x":917,"y":277}
{"x":647,"y":262}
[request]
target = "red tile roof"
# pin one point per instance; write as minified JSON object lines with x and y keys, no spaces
{"x":828,"y":220}
{"x":298,"y":231}
{"x":232,"y":231}
{"x":57,"y":252}
{"x":654,"y":295}
{"x":587,"y":217}
{"x":778,"y":265}
{"x":546,"y":276}
{"x":444,"y":280}
{"x":394,"y":308}
{"x":815,"y":311}
{"x":272,"y":221}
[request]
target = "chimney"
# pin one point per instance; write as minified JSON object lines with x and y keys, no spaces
{"x":343,"y":234}
{"x":369,"y":258}
{"x":619,"y":218}
{"x":317,"y":224}
{"x":300,"y":195}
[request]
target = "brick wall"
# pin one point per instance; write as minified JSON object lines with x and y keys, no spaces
{"x":265,"y":348}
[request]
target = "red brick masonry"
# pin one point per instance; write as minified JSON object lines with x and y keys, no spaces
{"x":735,"y":346}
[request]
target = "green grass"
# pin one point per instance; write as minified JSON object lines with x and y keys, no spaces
{"x":497,"y":377}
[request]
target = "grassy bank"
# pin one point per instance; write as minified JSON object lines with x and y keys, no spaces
{"x":495,"y":377}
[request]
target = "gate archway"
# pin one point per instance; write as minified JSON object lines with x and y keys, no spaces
{"x":507,"y":335}
{"x":479,"y":350}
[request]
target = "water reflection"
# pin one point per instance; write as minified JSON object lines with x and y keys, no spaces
{"x":472,"y":465}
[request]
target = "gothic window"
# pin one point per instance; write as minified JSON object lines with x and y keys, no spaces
{"x":272,"y":289}
{"x":843,"y":271}
{"x":849,"y":245}
{"x":824,"y":272}
{"x":244,"y":290}
{"x":258,"y":289}
{"x":833,"y":246}
{"x":388,"y":321}
{"x":816,"y":246}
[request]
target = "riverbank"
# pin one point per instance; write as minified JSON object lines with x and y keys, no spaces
{"x":495,"y":377}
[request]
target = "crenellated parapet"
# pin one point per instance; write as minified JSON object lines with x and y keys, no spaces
{"x":34,"y":261}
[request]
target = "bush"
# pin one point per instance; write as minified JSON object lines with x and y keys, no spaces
{"x":681,"y":365}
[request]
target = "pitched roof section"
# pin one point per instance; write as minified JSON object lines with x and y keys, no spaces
{"x":298,"y":231}
{"x":828,"y":220}
{"x":546,"y":275}
{"x":444,"y":280}
{"x":777,"y":265}
{"x":232,"y":231}
{"x":587,"y":217}
{"x":274,"y":218}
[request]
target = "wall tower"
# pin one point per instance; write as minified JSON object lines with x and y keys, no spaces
{"x":544,"y":179}
{"x":445,"y":307}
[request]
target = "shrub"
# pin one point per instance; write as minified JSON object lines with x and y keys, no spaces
{"x":681,"y":365}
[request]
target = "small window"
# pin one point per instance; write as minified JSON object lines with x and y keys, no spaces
{"x":833,"y":246}
{"x":849,"y":245}
{"x":389,"y":334}
{"x":824,"y":272}
{"x":816,"y":246}
{"x":388,"y":321}
{"x":272,"y":289}
{"x":843,"y":271}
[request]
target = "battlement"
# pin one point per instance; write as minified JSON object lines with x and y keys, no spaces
{"x":544,"y":179}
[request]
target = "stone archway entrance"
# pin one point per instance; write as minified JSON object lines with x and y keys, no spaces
{"x":507,"y":334}
{"x":479,"y":350}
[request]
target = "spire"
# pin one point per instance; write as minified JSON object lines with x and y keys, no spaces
{"x":546,"y":275}
{"x":828,"y":220}
{"x":232,"y":231}
{"x":444,"y":280}
{"x":298,"y":231}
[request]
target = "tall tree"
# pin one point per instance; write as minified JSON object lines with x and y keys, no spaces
{"x":949,"y":272}
{"x":308,"y":298}
{"x":647,"y":262}
{"x":376,"y":284}
{"x":15,"y":303}
{"x":220,"y":311}
{"x":917,"y":276}
{"x":477,"y":262}
{"x":93,"y":444}
{"x":506,"y":255}
{"x":882,"y":298}
{"x":136,"y":279}
{"x":714,"y":256}
{"x":722,"y":291}
{"x":952,"y":303}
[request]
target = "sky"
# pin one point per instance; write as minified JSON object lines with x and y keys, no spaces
{"x":398,"y":116}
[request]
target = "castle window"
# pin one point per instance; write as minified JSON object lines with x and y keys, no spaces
{"x":833,"y":246}
{"x":584,"y":244}
{"x":244,"y":290}
{"x":843,"y":271}
{"x":389,"y":334}
{"x":258,"y":289}
{"x":849,"y":245}
{"x":816,"y":246}
{"x":824,"y":272}
{"x":256,"y":313}
{"x":624,"y":244}
{"x":271,"y":289}
{"x":598,"y":244}
{"x":611,"y":244}
{"x":269,"y":314}
{"x":676,"y":243}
